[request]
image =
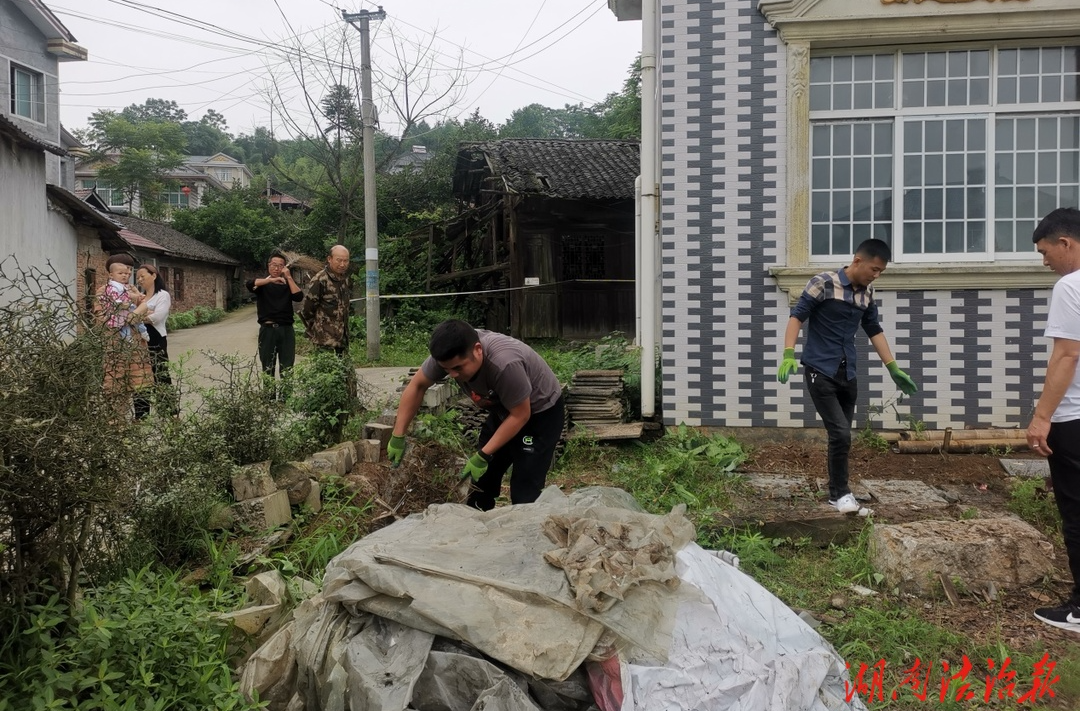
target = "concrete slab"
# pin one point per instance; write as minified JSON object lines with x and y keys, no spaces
{"x":779,"y":486}
{"x":905,"y":492}
{"x":1027,"y":468}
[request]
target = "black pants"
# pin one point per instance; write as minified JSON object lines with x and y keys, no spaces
{"x":1064,"y":441}
{"x":530,"y":453}
{"x":277,"y":342}
{"x":163,"y":389}
{"x":834,"y":399}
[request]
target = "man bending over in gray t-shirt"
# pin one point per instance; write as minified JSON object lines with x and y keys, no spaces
{"x":521,"y":394}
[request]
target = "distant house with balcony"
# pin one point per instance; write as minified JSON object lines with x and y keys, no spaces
{"x":193,"y":181}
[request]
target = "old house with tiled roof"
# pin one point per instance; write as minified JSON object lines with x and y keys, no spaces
{"x":550,"y":230}
{"x":195,"y":274}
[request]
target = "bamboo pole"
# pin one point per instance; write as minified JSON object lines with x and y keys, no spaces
{"x":989,"y":433}
{"x":955,"y":446}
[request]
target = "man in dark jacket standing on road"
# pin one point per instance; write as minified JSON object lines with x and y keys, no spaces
{"x":274,"y":297}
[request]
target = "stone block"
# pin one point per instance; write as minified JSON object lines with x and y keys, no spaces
{"x":1027,"y":468}
{"x":299,"y":491}
{"x":250,"y":620}
{"x":289,"y":474}
{"x":314,"y":498}
{"x":368,"y":450}
{"x":1003,"y":551}
{"x":267,"y":588}
{"x":379,"y":431}
{"x":905,"y":492}
{"x":776,"y":486}
{"x":348,"y":450}
{"x":264,"y":512}
{"x":253,"y":481}
{"x":436,"y":396}
{"x":329,"y":461}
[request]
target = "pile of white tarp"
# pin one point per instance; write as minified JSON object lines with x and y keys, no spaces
{"x":569,"y":603}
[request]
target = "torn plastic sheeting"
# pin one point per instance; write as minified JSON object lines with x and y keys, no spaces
{"x":482,"y":577}
{"x":736,"y":647}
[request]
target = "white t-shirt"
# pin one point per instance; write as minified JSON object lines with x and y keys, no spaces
{"x":1063,"y":321}
{"x":159,"y":303}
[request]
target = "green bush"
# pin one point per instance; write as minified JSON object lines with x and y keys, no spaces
{"x":195,"y":317}
{"x":181,"y":320}
{"x":321,"y":391}
{"x":146,"y":642}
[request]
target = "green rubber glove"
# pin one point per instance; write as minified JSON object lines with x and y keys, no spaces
{"x":395,"y":449}
{"x":787,"y":366}
{"x":476,"y":467}
{"x":902,"y":379}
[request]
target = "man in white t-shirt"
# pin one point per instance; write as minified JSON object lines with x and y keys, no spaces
{"x":521,"y":394}
{"x":1054,"y":431}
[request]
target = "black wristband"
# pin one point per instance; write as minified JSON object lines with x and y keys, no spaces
{"x":485,"y":456}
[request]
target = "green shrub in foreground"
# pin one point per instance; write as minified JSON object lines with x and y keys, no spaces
{"x":145,"y":642}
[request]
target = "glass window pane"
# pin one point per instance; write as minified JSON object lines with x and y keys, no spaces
{"x":957,"y":92}
{"x":934,"y":174}
{"x":861,"y":173}
{"x":1007,"y":90}
{"x":958,"y":64}
{"x":883,"y":172}
{"x":954,"y":169}
{"x":1047,"y":167}
{"x":883,"y":205}
{"x":841,"y":97}
{"x":1007,"y":61}
{"x":1048,"y":133}
{"x":933,"y":204}
{"x":1003,"y":202}
{"x":976,"y":204}
{"x":1047,"y":201}
{"x":1003,"y":236}
{"x":1003,"y":135}
{"x":914,"y":65}
{"x":883,"y":138}
{"x":912,"y":238}
{"x":980,"y":63}
{"x":1025,"y":201}
{"x":861,"y":205}
{"x":842,"y":68}
{"x":819,"y":239}
{"x":935,"y":65}
{"x":934,"y":132}
{"x":912,"y":171}
{"x":912,"y":205}
{"x":976,"y":135}
{"x":820,"y":96}
{"x":820,"y":70}
{"x":1025,"y":134}
{"x":954,"y":204}
{"x":1069,"y":196}
{"x":822,"y":140}
{"x":1029,"y":61}
{"x":954,"y":237}
{"x":1006,"y":170}
{"x":1051,"y":60}
{"x":1069,"y":132}
{"x":913,"y":94}
{"x":932,"y":243}
{"x":1051,"y":88}
{"x":954,"y":135}
{"x":884,"y":65}
{"x":841,"y":172}
{"x":1029,"y":90}
{"x":820,"y":175}
{"x":863,"y":68}
{"x":883,"y":95}
{"x":976,"y":236}
{"x":935,"y":92}
{"x":819,"y":206}
{"x":1070,"y":166}
{"x":861,"y":137}
{"x":841,"y":140}
{"x":864,"y":96}
{"x":1025,"y":168}
{"x":980,"y":92}
{"x":841,"y":239}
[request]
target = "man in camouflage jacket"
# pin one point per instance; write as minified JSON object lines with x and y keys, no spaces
{"x":326,"y":307}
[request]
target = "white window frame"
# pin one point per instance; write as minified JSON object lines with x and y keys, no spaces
{"x":989,"y":113}
{"x":37,"y":89}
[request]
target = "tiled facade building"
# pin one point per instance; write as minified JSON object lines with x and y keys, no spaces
{"x":791,"y":130}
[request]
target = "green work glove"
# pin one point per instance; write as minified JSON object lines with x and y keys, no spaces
{"x":477,"y":466}
{"x":787,"y":366}
{"x":902,"y":379}
{"x":395,"y":449}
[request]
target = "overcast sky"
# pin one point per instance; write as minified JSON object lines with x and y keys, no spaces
{"x":511,"y":53}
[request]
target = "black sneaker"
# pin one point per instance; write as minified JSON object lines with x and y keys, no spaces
{"x":1065,"y":616}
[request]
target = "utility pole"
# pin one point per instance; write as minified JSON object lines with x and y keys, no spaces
{"x":371,"y":217}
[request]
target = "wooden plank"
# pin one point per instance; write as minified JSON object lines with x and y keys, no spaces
{"x":469,"y":272}
{"x":625,"y":430}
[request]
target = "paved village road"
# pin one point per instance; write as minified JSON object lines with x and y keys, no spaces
{"x":237,"y":334}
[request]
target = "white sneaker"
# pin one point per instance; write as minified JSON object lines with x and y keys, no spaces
{"x":846,"y":504}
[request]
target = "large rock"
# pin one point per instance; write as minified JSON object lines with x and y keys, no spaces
{"x":331,"y":461}
{"x":368,"y":450}
{"x":1004,"y":551}
{"x":265,"y":512}
{"x":289,"y":474}
{"x":253,"y":481}
{"x":379,"y":431}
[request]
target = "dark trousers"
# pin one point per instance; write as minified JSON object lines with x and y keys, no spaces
{"x":834,"y":399}
{"x":166,"y":396}
{"x":1064,"y":442}
{"x":530,"y":453}
{"x":277,"y":342}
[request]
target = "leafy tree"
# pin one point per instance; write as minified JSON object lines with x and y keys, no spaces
{"x":155,"y":110}
{"x":342,"y":113}
{"x":257,"y":148}
{"x":619,"y":115}
{"x":207,"y":136}
{"x":140,"y":157}
{"x":240,"y":222}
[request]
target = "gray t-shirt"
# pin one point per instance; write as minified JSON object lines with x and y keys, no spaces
{"x":510,"y":373}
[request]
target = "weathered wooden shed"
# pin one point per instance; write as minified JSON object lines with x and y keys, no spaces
{"x":552,"y":222}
